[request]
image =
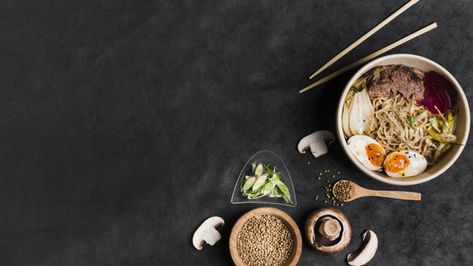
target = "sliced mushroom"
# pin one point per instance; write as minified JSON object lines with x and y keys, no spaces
{"x":366,"y":251}
{"x":207,"y":232}
{"x":317,"y":142}
{"x":328,"y":230}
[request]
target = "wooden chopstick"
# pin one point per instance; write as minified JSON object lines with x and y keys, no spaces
{"x":371,"y":56}
{"x":365,"y":36}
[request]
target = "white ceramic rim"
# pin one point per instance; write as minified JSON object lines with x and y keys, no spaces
{"x":341,"y":135}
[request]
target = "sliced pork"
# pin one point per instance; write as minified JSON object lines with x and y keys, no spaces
{"x":394,"y":79}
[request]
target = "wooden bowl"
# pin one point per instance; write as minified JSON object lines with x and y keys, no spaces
{"x":291,"y":225}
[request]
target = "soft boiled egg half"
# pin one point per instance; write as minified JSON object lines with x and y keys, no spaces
{"x":404,"y":163}
{"x":368,"y":151}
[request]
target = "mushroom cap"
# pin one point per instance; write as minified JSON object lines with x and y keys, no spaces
{"x":317,"y":142}
{"x":314,"y":237}
{"x":207,"y":232}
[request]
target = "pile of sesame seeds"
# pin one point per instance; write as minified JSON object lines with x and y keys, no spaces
{"x":342,"y":190}
{"x":264,"y":240}
{"x":328,"y":177}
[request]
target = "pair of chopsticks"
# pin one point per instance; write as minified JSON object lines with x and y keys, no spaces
{"x":370,"y":56}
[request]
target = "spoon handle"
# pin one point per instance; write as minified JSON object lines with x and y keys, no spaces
{"x":402,"y":195}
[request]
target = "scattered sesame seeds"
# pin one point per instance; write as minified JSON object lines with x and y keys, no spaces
{"x":330,"y":196}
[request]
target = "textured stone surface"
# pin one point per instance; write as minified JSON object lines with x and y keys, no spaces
{"x":124,"y":124}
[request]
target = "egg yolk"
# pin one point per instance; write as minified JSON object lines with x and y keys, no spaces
{"x":396,"y":162}
{"x":375,"y":154}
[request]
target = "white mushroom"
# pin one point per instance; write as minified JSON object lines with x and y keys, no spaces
{"x":317,"y":142}
{"x":366,"y":251}
{"x":207,"y":232}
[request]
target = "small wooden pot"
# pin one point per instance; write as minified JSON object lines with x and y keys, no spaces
{"x":291,"y":225}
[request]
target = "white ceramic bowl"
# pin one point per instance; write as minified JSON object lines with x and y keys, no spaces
{"x":462,"y":130}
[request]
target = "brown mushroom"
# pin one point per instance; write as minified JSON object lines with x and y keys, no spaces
{"x":328,"y":230}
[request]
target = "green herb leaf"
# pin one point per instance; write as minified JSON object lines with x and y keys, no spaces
{"x":435,"y":124}
{"x":268,"y":170}
{"x":276,"y":177}
{"x":445,"y":149}
{"x":253,"y":167}
{"x":260,"y":182}
{"x":451,"y":119}
{"x":268,"y":188}
{"x":378,"y":70}
{"x":444,"y":138}
{"x":276,"y":193}
{"x":360,"y":84}
{"x":434,"y":135}
{"x":248,"y":184}
{"x":285,"y":191}
{"x":259,"y":170}
{"x":410,"y":120}
{"x":254,"y":195}
{"x":287,"y":199}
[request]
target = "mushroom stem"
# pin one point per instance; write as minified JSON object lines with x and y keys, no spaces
{"x":330,"y":228}
{"x":212,"y":236}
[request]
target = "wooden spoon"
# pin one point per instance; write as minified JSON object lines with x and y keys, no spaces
{"x":346,"y":190}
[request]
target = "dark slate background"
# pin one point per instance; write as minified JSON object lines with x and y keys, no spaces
{"x":124,"y":124}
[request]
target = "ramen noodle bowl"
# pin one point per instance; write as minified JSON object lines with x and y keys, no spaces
{"x":421,"y":136}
